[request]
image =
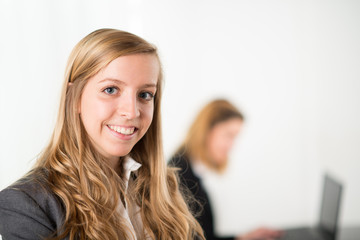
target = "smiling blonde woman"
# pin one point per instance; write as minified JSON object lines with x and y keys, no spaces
{"x":103,"y":174}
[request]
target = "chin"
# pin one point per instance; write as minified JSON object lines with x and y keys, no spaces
{"x":120,"y":150}
{"x":117,"y":152}
{"x":121,"y":153}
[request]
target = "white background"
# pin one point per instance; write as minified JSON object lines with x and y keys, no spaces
{"x":292,"y":67}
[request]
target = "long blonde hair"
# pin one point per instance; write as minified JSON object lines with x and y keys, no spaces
{"x":89,"y":189}
{"x":194,"y":145}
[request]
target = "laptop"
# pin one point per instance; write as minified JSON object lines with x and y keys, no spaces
{"x":328,"y":219}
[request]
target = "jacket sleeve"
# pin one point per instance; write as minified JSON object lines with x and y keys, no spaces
{"x":21,"y":217}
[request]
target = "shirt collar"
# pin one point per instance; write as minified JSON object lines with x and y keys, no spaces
{"x":200,"y":169}
{"x":129,"y":166}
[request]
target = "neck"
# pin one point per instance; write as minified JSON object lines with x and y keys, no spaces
{"x":115,"y":163}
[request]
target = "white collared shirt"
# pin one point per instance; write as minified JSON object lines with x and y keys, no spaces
{"x":131,"y":213}
{"x":200,"y":169}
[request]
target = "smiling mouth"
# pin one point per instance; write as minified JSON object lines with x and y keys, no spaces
{"x":123,"y":130}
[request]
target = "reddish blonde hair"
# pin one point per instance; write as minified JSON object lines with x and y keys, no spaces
{"x":215,"y":112}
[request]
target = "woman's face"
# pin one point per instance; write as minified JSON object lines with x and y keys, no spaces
{"x":117,"y":104}
{"x":221,"y":138}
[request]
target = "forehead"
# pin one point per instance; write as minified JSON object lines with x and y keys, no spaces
{"x":229,"y":124}
{"x":141,"y":66}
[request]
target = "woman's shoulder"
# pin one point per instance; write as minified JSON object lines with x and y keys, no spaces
{"x":179,"y":160}
{"x":28,"y":207}
{"x":33,"y":185}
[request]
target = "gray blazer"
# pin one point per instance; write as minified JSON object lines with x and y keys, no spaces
{"x":29,"y":210}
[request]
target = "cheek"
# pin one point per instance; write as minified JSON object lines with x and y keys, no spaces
{"x":147,"y":115}
{"x":213,"y":144}
{"x":220,"y":146}
{"x":94,"y":113}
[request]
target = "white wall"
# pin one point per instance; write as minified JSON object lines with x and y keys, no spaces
{"x":291,"y":66}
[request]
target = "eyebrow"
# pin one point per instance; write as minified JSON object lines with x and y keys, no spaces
{"x":123,"y":83}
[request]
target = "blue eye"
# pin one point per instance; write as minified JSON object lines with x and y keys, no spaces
{"x":110,"y":90}
{"x":146,"y":96}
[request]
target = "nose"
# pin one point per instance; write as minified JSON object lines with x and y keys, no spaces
{"x":128,"y":106}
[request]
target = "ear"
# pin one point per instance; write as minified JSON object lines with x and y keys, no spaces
{"x":79,"y":104}
{"x":69,"y":85}
{"x":79,"y":107}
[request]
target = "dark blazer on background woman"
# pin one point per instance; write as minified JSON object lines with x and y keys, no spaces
{"x":193,"y":183}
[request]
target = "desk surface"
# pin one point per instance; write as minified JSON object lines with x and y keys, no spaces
{"x":349,"y":233}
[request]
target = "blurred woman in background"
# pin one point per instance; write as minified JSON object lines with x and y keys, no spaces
{"x":206,"y":148}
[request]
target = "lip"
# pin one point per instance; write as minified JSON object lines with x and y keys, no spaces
{"x":120,"y":135}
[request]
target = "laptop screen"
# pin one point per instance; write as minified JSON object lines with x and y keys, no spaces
{"x":330,"y":204}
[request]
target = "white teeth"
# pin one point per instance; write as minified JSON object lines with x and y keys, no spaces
{"x":122,"y":130}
